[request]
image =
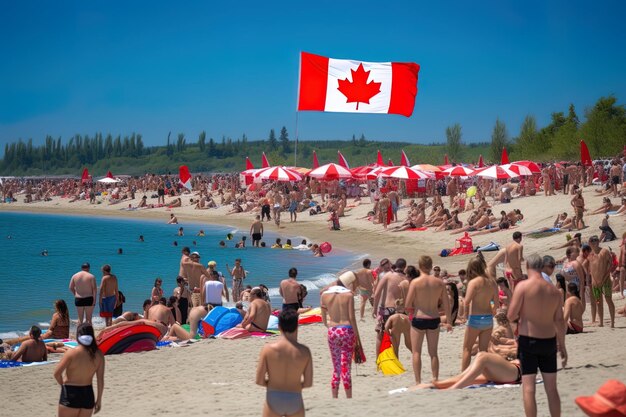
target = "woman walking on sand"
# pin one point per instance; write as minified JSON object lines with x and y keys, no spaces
{"x":80,"y":365}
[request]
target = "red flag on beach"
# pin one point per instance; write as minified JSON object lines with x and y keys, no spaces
{"x":342,"y":160}
{"x":184,"y":176}
{"x":390,"y":163}
{"x":264,"y":162}
{"x":249,"y":164}
{"x":481,"y":163}
{"x":342,"y":85}
{"x":316,"y":163}
{"x":585,"y":157}
{"x":379,"y":159}
{"x":404,"y":160}
{"x":109,"y":174}
{"x":445,"y":160}
{"x":85,"y":176}
{"x":504,"y":159}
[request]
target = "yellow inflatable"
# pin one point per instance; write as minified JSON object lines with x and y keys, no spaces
{"x":471,"y":192}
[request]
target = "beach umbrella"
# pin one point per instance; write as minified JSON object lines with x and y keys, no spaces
{"x":496,"y":172}
{"x":504,"y":159}
{"x":374,"y":173}
{"x":249,"y":164}
{"x":457,"y":171}
{"x":518,"y":169}
{"x":264,"y":162}
{"x":278,"y":174}
{"x":404,"y":160}
{"x":330,"y":172}
{"x":107,"y":180}
{"x":390,"y":163}
{"x":85,"y":176}
{"x":585,"y":157}
{"x":342,"y":160}
{"x":532,"y":166}
{"x":404,"y":173}
{"x":445,"y":160}
{"x":426,"y":167}
{"x":481,"y":163}
{"x":184,"y":176}
{"x":379,"y":159}
{"x":362,"y":171}
{"x":109,"y":174}
{"x":316,"y":163}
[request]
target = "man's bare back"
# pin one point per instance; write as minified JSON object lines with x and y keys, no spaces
{"x":514,"y":257}
{"x":84,"y":284}
{"x":161,"y":314}
{"x":290,"y":290}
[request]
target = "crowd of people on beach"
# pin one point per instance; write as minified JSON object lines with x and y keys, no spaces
{"x":534,"y":303}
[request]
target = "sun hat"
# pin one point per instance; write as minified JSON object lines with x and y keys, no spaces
{"x":608,"y":401}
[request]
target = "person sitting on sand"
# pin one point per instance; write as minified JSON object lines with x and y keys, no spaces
{"x":33,"y":349}
{"x":80,"y":365}
{"x":143,"y":203}
{"x":607,"y":235}
{"x":258,"y":313}
{"x":177,"y":202}
{"x":605,"y":207}
{"x":502,"y":338}
{"x":60,"y":323}
{"x":178,"y":332}
{"x":573,"y":310}
{"x":285,"y":367}
{"x":503,"y":224}
{"x":483,"y":222}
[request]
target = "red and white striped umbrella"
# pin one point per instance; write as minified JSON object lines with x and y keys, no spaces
{"x":458,"y":171}
{"x":405,"y":173}
{"x":330,"y":172}
{"x":278,"y":174}
{"x":496,"y":172}
{"x":534,"y":168}
{"x":375,"y":173}
{"x":518,"y":169}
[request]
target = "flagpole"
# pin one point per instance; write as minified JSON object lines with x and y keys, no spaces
{"x":295,"y":155}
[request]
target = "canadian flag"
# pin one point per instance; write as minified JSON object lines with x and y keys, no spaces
{"x":343,"y":85}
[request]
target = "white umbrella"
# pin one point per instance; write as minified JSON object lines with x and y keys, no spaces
{"x":496,"y":172}
{"x":518,"y":169}
{"x":458,"y":171}
{"x":107,"y":180}
{"x":405,"y":173}
{"x":330,"y":172}
{"x":278,"y":174}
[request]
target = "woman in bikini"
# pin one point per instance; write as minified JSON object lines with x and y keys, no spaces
{"x":157,"y":291}
{"x":480,"y":299}
{"x":80,"y":365}
{"x":60,"y":323}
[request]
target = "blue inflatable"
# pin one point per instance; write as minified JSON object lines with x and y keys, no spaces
{"x":218,"y":320}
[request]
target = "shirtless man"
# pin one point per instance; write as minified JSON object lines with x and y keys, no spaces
{"x":514,"y":258}
{"x":285,"y":367}
{"x":177,"y":332}
{"x":238,"y":274}
{"x":290,"y":291}
{"x":337,"y":305}
{"x":256,"y":231}
{"x":83,"y":286}
{"x":160,"y":313}
{"x":388,"y":299}
{"x":196,"y":272}
{"x":615,"y":177}
{"x":600,"y":261}
{"x":384,"y":207}
{"x":108,"y":294}
{"x":365,"y":284}
{"x":33,"y":349}
{"x":258,"y":313}
{"x":278,"y":207}
{"x":422,"y":301}
{"x":578,"y":202}
{"x":538,"y":306}
{"x":451,"y":190}
{"x":173,"y":219}
{"x":185,"y":263}
{"x":394,"y":198}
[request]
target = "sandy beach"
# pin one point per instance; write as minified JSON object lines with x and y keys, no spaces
{"x":216,"y":377}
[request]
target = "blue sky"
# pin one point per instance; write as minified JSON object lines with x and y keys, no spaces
{"x":232,"y":67}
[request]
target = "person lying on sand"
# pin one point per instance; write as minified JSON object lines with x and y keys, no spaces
{"x":605,"y":207}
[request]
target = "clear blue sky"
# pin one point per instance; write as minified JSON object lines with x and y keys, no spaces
{"x":232,"y":67}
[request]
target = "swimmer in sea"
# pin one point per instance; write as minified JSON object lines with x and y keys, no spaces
{"x":141,"y":238}
{"x":44,"y":252}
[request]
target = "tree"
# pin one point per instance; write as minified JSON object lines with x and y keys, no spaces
{"x":181,"y":142}
{"x":453,"y":141}
{"x":272,"y":142}
{"x":284,"y":140}
{"x":499,"y":140}
{"x":362,"y":139}
{"x":527,"y":142}
{"x":202,"y":141}
{"x":605,"y":129}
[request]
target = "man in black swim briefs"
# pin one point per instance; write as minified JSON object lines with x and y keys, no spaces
{"x":83,"y":286}
{"x":538,"y":334}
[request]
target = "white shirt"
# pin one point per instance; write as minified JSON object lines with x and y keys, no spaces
{"x":213,"y":292}
{"x":547,"y":277}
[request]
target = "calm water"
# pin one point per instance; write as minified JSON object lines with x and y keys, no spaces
{"x":30,"y":282}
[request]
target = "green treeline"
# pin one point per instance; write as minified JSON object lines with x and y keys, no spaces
{"x":604,"y":130}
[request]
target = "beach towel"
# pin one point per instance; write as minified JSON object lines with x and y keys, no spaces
{"x":241,"y":333}
{"x":417,"y":229}
{"x":15,"y":364}
{"x":490,"y":247}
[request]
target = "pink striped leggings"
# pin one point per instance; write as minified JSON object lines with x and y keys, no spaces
{"x":341,"y":344}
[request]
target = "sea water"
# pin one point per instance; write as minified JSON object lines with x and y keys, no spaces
{"x":31,"y":282}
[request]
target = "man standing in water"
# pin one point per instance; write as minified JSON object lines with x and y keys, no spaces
{"x":290,"y":291}
{"x":600,"y":262}
{"x":108,"y":294}
{"x":285,"y":368}
{"x":256,"y":231}
{"x":196,"y":273}
{"x":83,"y":286}
{"x":422,"y":301}
{"x":538,"y":308}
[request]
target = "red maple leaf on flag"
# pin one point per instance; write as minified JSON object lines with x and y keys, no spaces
{"x":359,"y":90}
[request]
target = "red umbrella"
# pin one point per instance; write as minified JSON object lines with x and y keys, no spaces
{"x":458,"y":171}
{"x":249,"y":164}
{"x":390,"y":163}
{"x":585,"y":157}
{"x":518,"y":169}
{"x":342,"y":160}
{"x":532,"y":166}
{"x":405,"y":173}
{"x":316,"y":163}
{"x":496,"y":172}
{"x":109,"y":174}
{"x":330,"y":172}
{"x":445,"y":160}
{"x":278,"y":174}
{"x":85,"y":176}
{"x":404,"y":160}
{"x":379,"y":159}
{"x":480,"y":162}
{"x":362,"y":171}
{"x":374,"y":173}
{"x":504,"y":159}
{"x":264,"y":162}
